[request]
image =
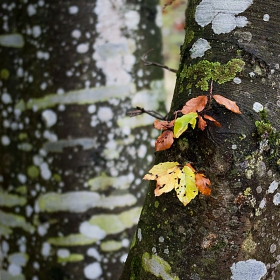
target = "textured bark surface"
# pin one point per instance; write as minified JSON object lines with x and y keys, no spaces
{"x":71,"y":161}
{"x":234,"y":233}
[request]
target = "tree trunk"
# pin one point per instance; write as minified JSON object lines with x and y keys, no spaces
{"x":71,"y":160}
{"x":234,"y":233}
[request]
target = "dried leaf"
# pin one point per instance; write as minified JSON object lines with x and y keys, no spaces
{"x":164,"y":141}
{"x":216,"y":123}
{"x":196,"y":104}
{"x":201,"y":123}
{"x":202,"y":183}
{"x":230,"y":105}
{"x":163,"y":125}
{"x":186,"y":189}
{"x":182,"y":123}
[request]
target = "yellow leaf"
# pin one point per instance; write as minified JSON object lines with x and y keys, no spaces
{"x":168,"y":182}
{"x":186,"y":189}
{"x":166,"y":175}
{"x":182,"y":123}
{"x":160,"y":169}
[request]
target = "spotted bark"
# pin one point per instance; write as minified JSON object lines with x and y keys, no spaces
{"x":71,"y":160}
{"x":234,"y":233}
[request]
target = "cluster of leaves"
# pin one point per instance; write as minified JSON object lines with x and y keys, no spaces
{"x":184,"y":179}
{"x":193,"y":113}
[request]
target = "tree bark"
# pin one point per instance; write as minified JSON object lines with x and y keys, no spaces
{"x":233,"y":234}
{"x":71,"y":160}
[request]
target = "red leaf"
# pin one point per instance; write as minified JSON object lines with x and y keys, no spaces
{"x":196,"y":104}
{"x":216,"y":123}
{"x":202,"y":183}
{"x":201,"y":123}
{"x":164,"y":141}
{"x":163,"y":125}
{"x":230,"y":105}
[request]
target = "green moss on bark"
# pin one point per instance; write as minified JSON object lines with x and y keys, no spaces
{"x":204,"y":71}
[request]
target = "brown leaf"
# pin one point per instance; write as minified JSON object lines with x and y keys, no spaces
{"x":216,"y":123}
{"x":201,"y":123}
{"x":202,"y":183}
{"x":196,"y":104}
{"x":164,"y":141}
{"x":163,"y":125}
{"x":229,"y":104}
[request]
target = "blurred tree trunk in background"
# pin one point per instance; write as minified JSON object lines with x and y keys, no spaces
{"x":234,"y":233}
{"x":71,"y":161}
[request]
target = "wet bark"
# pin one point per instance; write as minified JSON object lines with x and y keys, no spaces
{"x":234,"y":233}
{"x":71,"y":160}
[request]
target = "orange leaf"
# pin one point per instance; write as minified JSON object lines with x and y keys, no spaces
{"x":230,"y":105}
{"x":163,"y":125}
{"x":201,"y":123}
{"x":195,"y":104}
{"x":202,"y":183}
{"x":164,"y":141}
{"x":216,"y":123}
{"x":189,"y":165}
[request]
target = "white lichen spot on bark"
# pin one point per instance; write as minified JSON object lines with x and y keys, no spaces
{"x":113,"y":53}
{"x":49,"y":117}
{"x":81,"y":201}
{"x":83,"y":96}
{"x":93,"y":271}
{"x":158,"y":267}
{"x":276,"y":199}
{"x":222,"y":14}
{"x":199,"y":48}
{"x":257,"y":107}
{"x":266,"y":17}
{"x":139,"y":234}
{"x":273,"y":187}
{"x":248,"y":270}
{"x":12,"y":40}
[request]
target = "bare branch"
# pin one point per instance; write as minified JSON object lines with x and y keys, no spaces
{"x":150,"y":63}
{"x":139,"y":111}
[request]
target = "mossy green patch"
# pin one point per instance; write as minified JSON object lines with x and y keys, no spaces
{"x":71,"y":240}
{"x":156,"y":204}
{"x":10,"y":200}
{"x":110,"y":245}
{"x":135,"y":267}
{"x":57,"y":177}
{"x":249,"y":245}
{"x":204,"y":71}
{"x":4,"y":74}
{"x":71,"y":258}
{"x":21,"y":190}
{"x":22,"y":136}
{"x":269,"y":137}
{"x":247,"y":192}
{"x":33,"y":171}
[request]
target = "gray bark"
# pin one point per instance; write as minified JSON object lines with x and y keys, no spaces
{"x":71,"y":160}
{"x":234,"y":233}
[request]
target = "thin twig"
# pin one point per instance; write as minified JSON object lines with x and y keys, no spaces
{"x":150,"y":63}
{"x":139,"y":111}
